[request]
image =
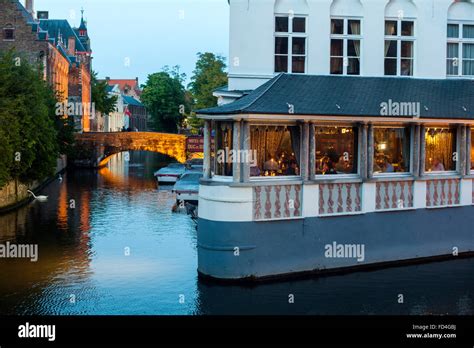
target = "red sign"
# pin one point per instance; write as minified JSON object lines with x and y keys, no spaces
{"x":195,"y":143}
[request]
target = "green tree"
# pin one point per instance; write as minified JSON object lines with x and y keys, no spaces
{"x":31,"y":135}
{"x":208,"y":75}
{"x":164,"y":96}
{"x":104,"y":103}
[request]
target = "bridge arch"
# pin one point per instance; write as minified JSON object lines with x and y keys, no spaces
{"x":99,"y":147}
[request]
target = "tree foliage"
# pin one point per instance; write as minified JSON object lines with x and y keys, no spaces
{"x":31,"y":135}
{"x":164,"y":96}
{"x":104,"y":103}
{"x":208,"y":75}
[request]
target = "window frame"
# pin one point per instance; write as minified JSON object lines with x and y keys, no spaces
{"x":399,"y":38}
{"x":357,"y":147}
{"x":408,"y":173}
{"x":280,"y":177}
{"x":345,"y":37}
{"x":459,"y":41}
{"x":290,"y":35}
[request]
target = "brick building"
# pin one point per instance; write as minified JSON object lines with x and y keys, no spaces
{"x":63,"y":52}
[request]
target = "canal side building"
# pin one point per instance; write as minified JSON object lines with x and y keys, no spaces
{"x":354,"y":147}
{"x":63,"y":52}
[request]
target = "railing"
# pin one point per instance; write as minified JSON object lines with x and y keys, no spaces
{"x":443,"y":192}
{"x":392,"y":195}
{"x":340,"y":198}
{"x":273,"y":202}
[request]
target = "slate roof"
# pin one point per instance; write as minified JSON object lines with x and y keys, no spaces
{"x":29,"y":18}
{"x":56,"y":26}
{"x":353,"y":96}
{"x":131,"y":101}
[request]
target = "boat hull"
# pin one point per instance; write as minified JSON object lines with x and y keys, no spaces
{"x":253,"y":250}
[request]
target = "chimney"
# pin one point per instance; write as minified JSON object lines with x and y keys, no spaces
{"x":71,"y":46}
{"x":29,"y":5}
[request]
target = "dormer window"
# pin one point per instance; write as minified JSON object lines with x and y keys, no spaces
{"x":82,"y":33}
{"x":9,"y":33}
{"x":290,"y":44}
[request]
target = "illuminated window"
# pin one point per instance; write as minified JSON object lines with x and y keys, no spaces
{"x":336,"y":150}
{"x":440,"y":149}
{"x":223,"y":159}
{"x":472,"y":149}
{"x":275,"y":150}
{"x":391,"y":150}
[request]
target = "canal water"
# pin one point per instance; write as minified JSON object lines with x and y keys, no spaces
{"x":110,"y":244}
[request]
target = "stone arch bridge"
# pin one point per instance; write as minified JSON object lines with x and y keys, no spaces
{"x":95,"y":149}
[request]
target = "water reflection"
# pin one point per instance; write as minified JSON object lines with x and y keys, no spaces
{"x":93,"y":217}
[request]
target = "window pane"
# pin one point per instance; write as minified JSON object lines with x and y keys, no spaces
{"x":281,"y":63}
{"x":453,"y":30}
{"x":353,"y":27}
{"x":299,"y":25}
{"x":281,"y":24}
{"x":453,"y":50}
{"x":407,"y":49}
{"x":390,"y":66}
{"x":468,"y":51}
{"x":391,"y":28}
{"x":281,"y":45}
{"x":391,"y":48}
{"x":277,"y":150}
{"x":452,"y":67}
{"x":468,"y":31}
{"x":353,"y":48}
{"x":407,"y":28}
{"x":440,"y":149}
{"x":337,"y":26}
{"x":8,"y":34}
{"x":336,"y":150}
{"x":336,"y":66}
{"x":468,"y":67}
{"x":298,"y":65}
{"x":299,"y":45}
{"x":391,"y":150}
{"x":223,"y":144}
{"x":354,"y":66}
{"x":406,"y":68}
{"x":336,"y":48}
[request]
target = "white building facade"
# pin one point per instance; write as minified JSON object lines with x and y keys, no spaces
{"x":349,"y":37}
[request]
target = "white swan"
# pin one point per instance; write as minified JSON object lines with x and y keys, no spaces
{"x":38,"y":198}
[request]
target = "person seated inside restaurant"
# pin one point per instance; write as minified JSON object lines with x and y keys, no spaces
{"x":292,"y":168}
{"x":438,"y":166}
